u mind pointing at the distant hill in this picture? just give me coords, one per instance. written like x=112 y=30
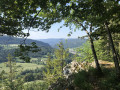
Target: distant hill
x=5 y=40
x=9 y=44
x=68 y=43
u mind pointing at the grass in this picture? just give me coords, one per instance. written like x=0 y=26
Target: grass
x=36 y=81
x=29 y=66
x=36 y=85
x=20 y=66
x=34 y=59
x=10 y=46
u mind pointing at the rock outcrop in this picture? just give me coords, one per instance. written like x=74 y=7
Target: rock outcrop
x=67 y=82
x=74 y=67
x=70 y=69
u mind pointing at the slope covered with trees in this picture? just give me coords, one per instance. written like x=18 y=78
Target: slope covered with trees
x=13 y=40
x=68 y=43
x=10 y=45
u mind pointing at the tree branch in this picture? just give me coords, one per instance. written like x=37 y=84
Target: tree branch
x=83 y=27
x=31 y=26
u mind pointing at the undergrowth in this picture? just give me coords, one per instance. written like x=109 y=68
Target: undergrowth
x=90 y=80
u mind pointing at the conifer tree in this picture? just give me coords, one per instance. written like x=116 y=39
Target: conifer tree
x=11 y=83
x=54 y=68
x=61 y=55
x=49 y=70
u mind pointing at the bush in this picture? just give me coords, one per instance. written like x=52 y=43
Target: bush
x=31 y=75
x=36 y=86
x=110 y=81
x=81 y=80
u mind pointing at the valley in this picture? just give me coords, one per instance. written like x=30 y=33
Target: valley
x=38 y=60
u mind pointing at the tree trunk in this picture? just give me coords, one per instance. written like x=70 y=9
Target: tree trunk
x=115 y=58
x=93 y=49
x=119 y=47
x=108 y=47
x=95 y=56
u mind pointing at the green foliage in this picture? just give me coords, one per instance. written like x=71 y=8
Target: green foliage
x=37 y=61
x=110 y=81
x=54 y=66
x=4 y=53
x=102 y=51
x=18 y=15
x=49 y=64
x=31 y=75
x=15 y=16
x=24 y=50
x=81 y=81
x=32 y=48
x=36 y=86
x=61 y=56
x=90 y=80
x=57 y=68
x=10 y=82
x=49 y=72
x=85 y=52
x=14 y=79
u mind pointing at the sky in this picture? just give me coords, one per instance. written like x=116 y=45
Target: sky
x=53 y=33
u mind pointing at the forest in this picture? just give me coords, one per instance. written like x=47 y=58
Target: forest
x=89 y=62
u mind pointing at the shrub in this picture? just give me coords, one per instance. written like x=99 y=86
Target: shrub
x=81 y=80
x=110 y=81
x=36 y=86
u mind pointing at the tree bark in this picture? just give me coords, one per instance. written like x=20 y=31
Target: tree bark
x=94 y=54
x=115 y=57
x=119 y=47
x=108 y=46
x=93 y=49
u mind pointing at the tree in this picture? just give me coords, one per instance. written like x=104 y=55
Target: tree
x=86 y=52
x=54 y=67
x=15 y=16
x=61 y=55
x=87 y=14
x=77 y=13
x=92 y=14
x=107 y=18
x=102 y=14
x=10 y=81
x=49 y=75
x=115 y=56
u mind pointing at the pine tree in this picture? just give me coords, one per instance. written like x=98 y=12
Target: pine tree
x=54 y=68
x=49 y=70
x=61 y=55
x=11 y=83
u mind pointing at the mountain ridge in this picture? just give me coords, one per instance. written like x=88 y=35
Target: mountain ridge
x=68 y=43
x=14 y=40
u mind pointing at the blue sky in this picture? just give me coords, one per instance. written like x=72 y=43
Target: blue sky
x=53 y=33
